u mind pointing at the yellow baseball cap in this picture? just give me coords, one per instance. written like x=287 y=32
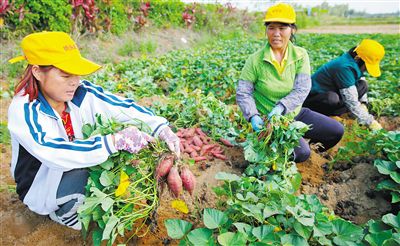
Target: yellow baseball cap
x=371 y=52
x=281 y=12
x=56 y=49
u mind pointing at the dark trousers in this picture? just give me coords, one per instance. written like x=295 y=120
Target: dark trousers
x=323 y=130
x=331 y=103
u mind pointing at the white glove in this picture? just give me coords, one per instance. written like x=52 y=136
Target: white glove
x=168 y=136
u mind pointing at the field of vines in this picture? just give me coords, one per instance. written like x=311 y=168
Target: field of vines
x=195 y=90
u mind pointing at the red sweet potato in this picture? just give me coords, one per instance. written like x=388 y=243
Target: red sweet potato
x=197 y=141
x=197 y=148
x=164 y=166
x=193 y=154
x=220 y=156
x=188 y=180
x=174 y=181
x=200 y=158
x=226 y=142
x=200 y=132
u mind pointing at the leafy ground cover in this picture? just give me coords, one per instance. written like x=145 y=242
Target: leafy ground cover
x=255 y=201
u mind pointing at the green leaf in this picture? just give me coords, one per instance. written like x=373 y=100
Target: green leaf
x=201 y=236
x=97 y=193
x=177 y=228
x=296 y=181
x=392 y=220
x=324 y=241
x=230 y=177
x=322 y=226
x=232 y=239
x=96 y=236
x=243 y=227
x=395 y=196
x=89 y=205
x=295 y=240
x=108 y=164
x=385 y=167
x=214 y=218
x=106 y=178
x=263 y=232
x=184 y=242
x=107 y=203
x=302 y=230
x=388 y=185
x=110 y=225
x=301 y=215
x=346 y=232
x=377 y=226
x=395 y=176
x=377 y=239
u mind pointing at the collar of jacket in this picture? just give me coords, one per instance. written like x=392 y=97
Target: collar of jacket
x=292 y=54
x=45 y=106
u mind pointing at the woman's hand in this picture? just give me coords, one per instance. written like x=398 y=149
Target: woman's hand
x=277 y=110
x=171 y=139
x=256 y=122
x=131 y=139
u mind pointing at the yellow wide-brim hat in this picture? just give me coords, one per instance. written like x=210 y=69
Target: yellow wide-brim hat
x=56 y=49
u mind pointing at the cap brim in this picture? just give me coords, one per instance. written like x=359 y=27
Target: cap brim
x=373 y=69
x=281 y=20
x=80 y=66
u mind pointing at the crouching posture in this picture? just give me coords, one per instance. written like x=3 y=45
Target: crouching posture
x=339 y=86
x=45 y=118
x=276 y=80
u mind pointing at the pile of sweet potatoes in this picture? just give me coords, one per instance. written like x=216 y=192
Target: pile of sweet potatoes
x=195 y=143
x=176 y=180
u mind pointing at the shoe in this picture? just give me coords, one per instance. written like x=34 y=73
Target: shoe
x=71 y=222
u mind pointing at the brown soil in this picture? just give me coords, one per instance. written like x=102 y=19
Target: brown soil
x=352 y=29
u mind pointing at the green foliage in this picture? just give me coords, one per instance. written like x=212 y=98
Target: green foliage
x=39 y=15
x=113 y=12
x=4 y=133
x=114 y=202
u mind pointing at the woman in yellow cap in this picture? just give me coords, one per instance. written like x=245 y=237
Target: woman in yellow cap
x=338 y=86
x=276 y=80
x=45 y=118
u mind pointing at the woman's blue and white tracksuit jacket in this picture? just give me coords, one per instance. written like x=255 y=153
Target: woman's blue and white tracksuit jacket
x=41 y=151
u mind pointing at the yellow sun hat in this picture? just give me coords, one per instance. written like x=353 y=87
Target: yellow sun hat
x=280 y=12
x=56 y=49
x=371 y=52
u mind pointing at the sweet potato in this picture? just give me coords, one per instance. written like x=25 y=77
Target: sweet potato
x=226 y=142
x=164 y=166
x=197 y=141
x=197 y=148
x=206 y=148
x=189 y=132
x=188 y=180
x=220 y=156
x=174 y=181
x=200 y=158
x=193 y=154
x=200 y=132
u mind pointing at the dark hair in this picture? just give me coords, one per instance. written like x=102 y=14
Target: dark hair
x=29 y=83
x=293 y=26
x=354 y=54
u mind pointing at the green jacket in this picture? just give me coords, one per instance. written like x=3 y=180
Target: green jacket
x=270 y=87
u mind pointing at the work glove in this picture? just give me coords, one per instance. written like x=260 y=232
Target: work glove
x=131 y=139
x=169 y=137
x=375 y=126
x=364 y=107
x=277 y=110
x=256 y=122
